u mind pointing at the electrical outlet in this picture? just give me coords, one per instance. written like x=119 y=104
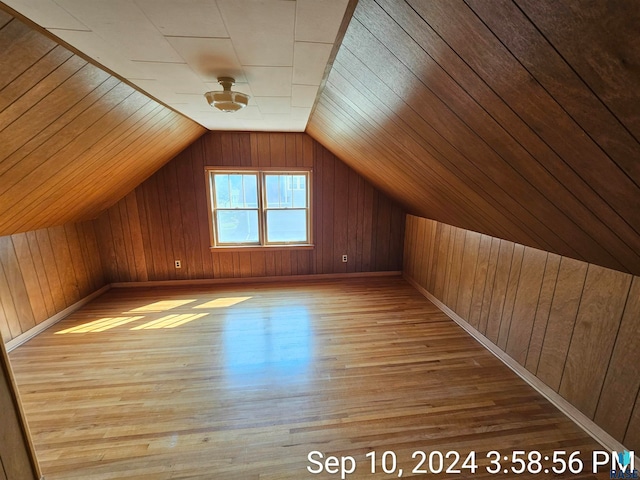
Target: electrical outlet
x=344 y=258
x=178 y=264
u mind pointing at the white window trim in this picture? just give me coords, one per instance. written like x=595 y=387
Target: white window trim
x=262 y=209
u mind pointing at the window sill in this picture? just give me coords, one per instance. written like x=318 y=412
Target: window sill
x=261 y=248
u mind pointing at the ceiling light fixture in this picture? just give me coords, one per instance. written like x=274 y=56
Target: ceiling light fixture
x=227 y=100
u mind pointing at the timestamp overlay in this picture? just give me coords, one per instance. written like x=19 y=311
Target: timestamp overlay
x=473 y=464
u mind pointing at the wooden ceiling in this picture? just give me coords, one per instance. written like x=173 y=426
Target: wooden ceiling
x=516 y=119
x=73 y=139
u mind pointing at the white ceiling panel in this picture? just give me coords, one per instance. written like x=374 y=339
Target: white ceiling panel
x=47 y=14
x=269 y=81
x=262 y=31
x=310 y=60
x=280 y=105
x=188 y=18
x=319 y=20
x=100 y=50
x=210 y=58
x=175 y=50
x=303 y=95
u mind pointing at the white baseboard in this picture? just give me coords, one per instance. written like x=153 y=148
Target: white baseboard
x=271 y=279
x=580 y=419
x=32 y=332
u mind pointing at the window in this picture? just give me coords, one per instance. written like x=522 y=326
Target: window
x=259 y=208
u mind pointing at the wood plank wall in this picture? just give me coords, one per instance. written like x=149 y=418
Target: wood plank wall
x=165 y=218
x=42 y=272
x=515 y=119
x=574 y=325
x=73 y=139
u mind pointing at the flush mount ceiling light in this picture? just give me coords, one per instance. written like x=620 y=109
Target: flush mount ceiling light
x=227 y=100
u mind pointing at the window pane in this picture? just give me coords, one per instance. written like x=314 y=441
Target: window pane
x=287 y=226
x=299 y=191
x=273 y=191
x=221 y=187
x=285 y=191
x=251 y=191
x=237 y=226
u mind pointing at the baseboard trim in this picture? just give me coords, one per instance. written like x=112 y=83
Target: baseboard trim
x=580 y=419
x=41 y=327
x=253 y=280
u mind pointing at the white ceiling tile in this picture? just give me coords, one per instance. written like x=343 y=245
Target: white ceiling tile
x=47 y=14
x=210 y=58
x=274 y=104
x=122 y=24
x=319 y=20
x=269 y=81
x=98 y=49
x=176 y=77
x=310 y=61
x=261 y=30
x=191 y=18
x=286 y=123
x=303 y=95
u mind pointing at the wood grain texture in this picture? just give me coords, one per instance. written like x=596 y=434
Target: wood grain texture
x=574 y=325
x=248 y=390
x=513 y=119
x=45 y=271
x=617 y=398
x=75 y=140
x=597 y=325
x=166 y=217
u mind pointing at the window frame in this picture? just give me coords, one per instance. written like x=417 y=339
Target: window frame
x=262 y=208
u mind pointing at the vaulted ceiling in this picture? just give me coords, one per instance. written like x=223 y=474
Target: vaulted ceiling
x=519 y=119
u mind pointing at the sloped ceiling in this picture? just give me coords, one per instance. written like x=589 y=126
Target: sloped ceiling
x=73 y=139
x=516 y=119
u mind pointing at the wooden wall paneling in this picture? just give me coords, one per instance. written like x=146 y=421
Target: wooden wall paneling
x=30 y=277
x=437 y=236
x=551 y=179
x=585 y=36
x=340 y=216
x=188 y=205
x=328 y=210
x=174 y=218
x=15 y=281
x=5 y=18
x=318 y=230
x=41 y=106
x=128 y=251
x=441 y=259
x=382 y=237
x=64 y=264
x=479 y=281
x=421 y=253
x=445 y=192
x=54 y=279
x=561 y=321
x=551 y=70
x=598 y=321
x=77 y=260
x=526 y=304
x=632 y=436
x=622 y=380
x=11 y=318
x=543 y=309
x=352 y=220
x=409 y=268
x=536 y=107
x=467 y=273
x=492 y=267
x=456 y=257
x=442 y=104
x=43 y=275
x=121 y=262
x=396 y=239
x=22 y=47
x=510 y=296
x=291 y=154
x=258 y=264
x=107 y=247
x=499 y=291
x=137 y=242
x=367 y=227
x=91 y=252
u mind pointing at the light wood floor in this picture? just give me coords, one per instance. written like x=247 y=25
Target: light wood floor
x=244 y=382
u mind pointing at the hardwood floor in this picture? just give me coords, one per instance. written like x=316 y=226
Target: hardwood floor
x=243 y=382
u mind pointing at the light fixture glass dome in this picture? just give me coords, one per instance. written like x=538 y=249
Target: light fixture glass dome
x=227 y=100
